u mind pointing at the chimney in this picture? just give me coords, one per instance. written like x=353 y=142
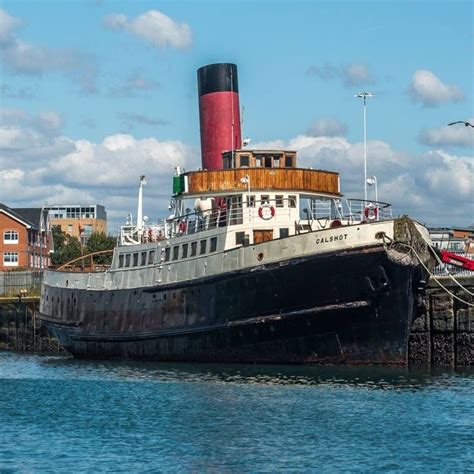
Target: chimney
x=219 y=113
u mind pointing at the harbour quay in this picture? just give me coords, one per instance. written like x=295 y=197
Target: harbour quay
x=442 y=335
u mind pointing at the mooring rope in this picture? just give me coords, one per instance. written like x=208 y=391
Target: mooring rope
x=432 y=275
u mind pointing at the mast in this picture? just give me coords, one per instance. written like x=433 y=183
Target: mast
x=140 y=204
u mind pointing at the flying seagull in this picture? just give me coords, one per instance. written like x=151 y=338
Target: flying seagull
x=467 y=124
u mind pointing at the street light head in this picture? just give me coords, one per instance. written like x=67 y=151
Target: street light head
x=364 y=95
x=371 y=181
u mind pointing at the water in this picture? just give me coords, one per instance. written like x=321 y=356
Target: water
x=63 y=415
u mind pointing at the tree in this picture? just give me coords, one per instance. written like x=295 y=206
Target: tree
x=66 y=247
x=98 y=242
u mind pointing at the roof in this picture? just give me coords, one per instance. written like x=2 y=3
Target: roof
x=31 y=214
x=15 y=214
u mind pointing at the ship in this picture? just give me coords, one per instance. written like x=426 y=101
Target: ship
x=260 y=261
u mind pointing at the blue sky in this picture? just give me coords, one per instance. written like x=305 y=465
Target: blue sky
x=95 y=93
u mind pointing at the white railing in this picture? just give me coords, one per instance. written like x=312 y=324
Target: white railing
x=361 y=210
x=195 y=222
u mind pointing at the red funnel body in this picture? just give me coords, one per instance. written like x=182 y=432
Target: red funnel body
x=219 y=112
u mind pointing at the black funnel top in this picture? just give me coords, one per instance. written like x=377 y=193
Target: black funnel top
x=217 y=78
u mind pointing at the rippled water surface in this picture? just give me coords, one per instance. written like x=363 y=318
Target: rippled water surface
x=63 y=415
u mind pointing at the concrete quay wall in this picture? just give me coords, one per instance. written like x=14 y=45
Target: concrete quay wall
x=21 y=328
x=443 y=334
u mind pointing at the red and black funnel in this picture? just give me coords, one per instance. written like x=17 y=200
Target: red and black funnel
x=219 y=112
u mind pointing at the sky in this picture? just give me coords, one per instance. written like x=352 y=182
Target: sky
x=95 y=93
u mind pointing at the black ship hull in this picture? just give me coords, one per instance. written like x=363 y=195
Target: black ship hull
x=352 y=307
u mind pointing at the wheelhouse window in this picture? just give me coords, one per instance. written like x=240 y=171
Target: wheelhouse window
x=288 y=161
x=202 y=250
x=292 y=201
x=143 y=262
x=193 y=249
x=151 y=257
x=127 y=260
x=135 y=259
x=121 y=261
x=10 y=259
x=268 y=162
x=279 y=200
x=184 y=252
x=167 y=254
x=244 y=160
x=265 y=199
x=10 y=237
x=175 y=252
x=250 y=200
x=213 y=244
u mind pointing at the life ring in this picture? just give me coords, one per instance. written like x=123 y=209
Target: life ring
x=371 y=212
x=266 y=212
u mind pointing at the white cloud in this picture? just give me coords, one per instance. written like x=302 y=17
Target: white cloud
x=134 y=84
x=7 y=25
x=434 y=187
x=327 y=128
x=354 y=74
x=38 y=167
x=21 y=57
x=455 y=135
x=154 y=27
x=428 y=89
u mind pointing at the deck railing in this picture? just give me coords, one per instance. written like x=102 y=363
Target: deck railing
x=362 y=210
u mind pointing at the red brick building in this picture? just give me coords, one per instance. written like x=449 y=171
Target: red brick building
x=25 y=238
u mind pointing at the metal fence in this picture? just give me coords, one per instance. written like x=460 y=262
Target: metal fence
x=442 y=270
x=12 y=282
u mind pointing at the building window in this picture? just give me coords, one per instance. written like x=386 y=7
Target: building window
x=291 y=201
x=202 y=250
x=268 y=162
x=244 y=160
x=135 y=259
x=143 y=262
x=279 y=200
x=184 y=253
x=120 y=261
x=10 y=259
x=284 y=232
x=288 y=161
x=213 y=246
x=250 y=200
x=193 y=248
x=167 y=254
x=239 y=238
x=10 y=237
x=265 y=199
x=151 y=257
x=127 y=260
x=175 y=252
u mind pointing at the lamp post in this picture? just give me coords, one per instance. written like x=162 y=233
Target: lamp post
x=246 y=180
x=365 y=96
